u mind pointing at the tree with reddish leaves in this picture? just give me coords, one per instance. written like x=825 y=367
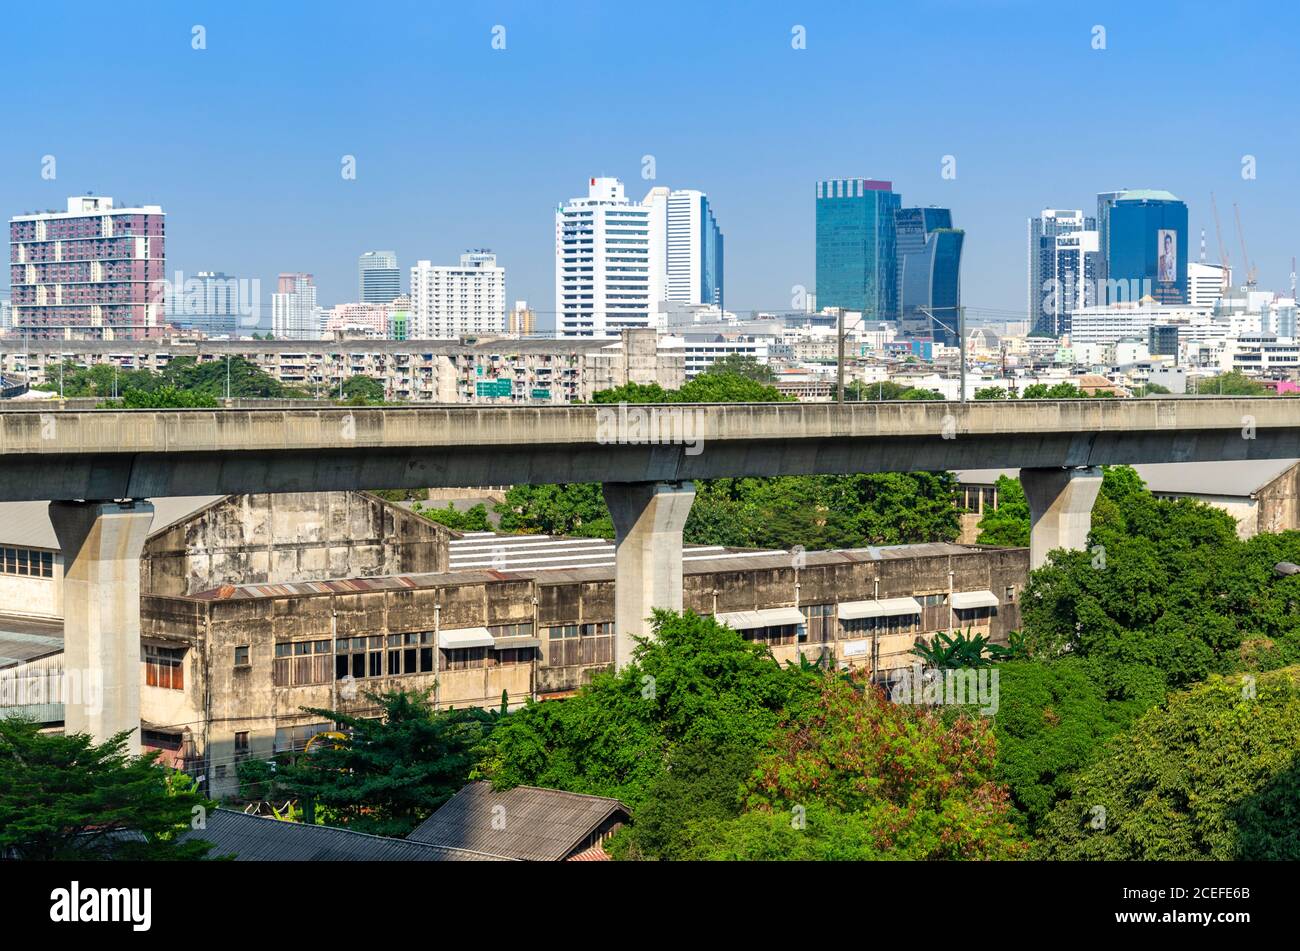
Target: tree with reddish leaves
x=856 y=776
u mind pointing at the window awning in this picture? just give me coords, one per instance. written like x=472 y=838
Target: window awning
x=465 y=637
x=773 y=617
x=964 y=600
x=885 y=607
x=523 y=640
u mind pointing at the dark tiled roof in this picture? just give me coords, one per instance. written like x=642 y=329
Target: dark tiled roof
x=537 y=825
x=258 y=839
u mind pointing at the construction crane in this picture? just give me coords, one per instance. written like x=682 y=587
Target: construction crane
x=1223 y=251
x=1245 y=258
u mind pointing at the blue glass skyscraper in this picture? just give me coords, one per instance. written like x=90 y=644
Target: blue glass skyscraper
x=1146 y=251
x=857 y=258
x=929 y=273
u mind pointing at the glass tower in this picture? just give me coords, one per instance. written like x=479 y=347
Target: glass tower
x=857 y=258
x=1146 y=252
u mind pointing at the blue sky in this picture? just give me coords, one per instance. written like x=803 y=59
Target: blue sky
x=458 y=145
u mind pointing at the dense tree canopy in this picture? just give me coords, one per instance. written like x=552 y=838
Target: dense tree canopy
x=391 y=772
x=66 y=797
x=713 y=745
x=204 y=382
x=1008 y=524
x=871 y=779
x=1212 y=774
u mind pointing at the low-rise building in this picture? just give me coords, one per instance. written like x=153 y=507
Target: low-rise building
x=255 y=609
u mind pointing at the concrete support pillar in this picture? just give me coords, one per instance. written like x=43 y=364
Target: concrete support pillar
x=648 y=522
x=1060 y=509
x=101 y=543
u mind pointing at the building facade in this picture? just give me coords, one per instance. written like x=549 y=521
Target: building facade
x=1064 y=262
x=466 y=299
x=214 y=304
x=378 y=279
x=857 y=262
x=1146 y=253
x=94 y=270
x=929 y=273
x=501 y=370
x=294 y=313
x=602 y=263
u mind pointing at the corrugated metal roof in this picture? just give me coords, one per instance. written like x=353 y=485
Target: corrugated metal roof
x=541 y=825
x=24 y=639
x=259 y=839
x=27 y=524
x=709 y=563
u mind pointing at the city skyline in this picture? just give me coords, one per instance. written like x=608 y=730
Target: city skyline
x=272 y=204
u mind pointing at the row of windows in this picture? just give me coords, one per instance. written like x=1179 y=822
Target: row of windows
x=26 y=561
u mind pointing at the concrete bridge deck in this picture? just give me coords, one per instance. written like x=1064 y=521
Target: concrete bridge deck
x=111 y=454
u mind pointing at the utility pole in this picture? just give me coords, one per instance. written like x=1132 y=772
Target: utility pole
x=960 y=332
x=839 y=372
x=227 y=378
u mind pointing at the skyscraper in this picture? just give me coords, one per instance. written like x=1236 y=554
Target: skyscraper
x=1146 y=251
x=94 y=269
x=1105 y=202
x=294 y=314
x=211 y=302
x=458 y=300
x=929 y=273
x=378 y=279
x=1063 y=258
x=694 y=258
x=857 y=264
x=602 y=263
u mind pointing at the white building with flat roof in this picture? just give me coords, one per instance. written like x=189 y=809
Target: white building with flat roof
x=457 y=301
x=603 y=263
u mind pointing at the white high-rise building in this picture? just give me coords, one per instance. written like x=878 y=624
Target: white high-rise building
x=1205 y=283
x=602 y=263
x=294 y=314
x=694 y=255
x=455 y=301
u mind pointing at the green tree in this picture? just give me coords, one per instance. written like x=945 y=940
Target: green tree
x=164 y=397
x=1053 y=718
x=473 y=519
x=574 y=508
x=363 y=391
x=871 y=779
x=66 y=797
x=740 y=364
x=697 y=685
x=392 y=772
x=1008 y=524
x=1233 y=383
x=1212 y=774
x=992 y=393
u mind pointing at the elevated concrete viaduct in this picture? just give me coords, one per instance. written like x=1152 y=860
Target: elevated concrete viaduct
x=646 y=457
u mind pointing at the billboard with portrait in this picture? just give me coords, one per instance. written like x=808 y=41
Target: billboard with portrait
x=1166 y=256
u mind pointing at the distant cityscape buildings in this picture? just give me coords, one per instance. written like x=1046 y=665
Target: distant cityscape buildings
x=294 y=314
x=619 y=262
x=211 y=302
x=378 y=279
x=452 y=301
x=95 y=269
x=856 y=253
x=1064 y=262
